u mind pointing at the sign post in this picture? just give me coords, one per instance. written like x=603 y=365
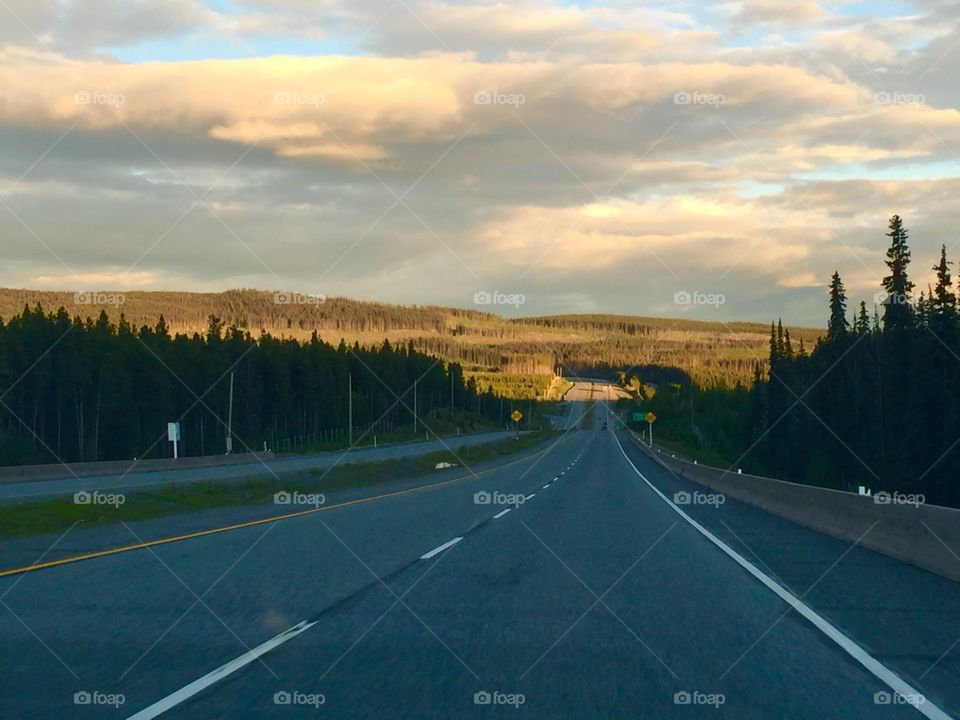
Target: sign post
x=650 y=418
x=173 y=435
x=516 y=416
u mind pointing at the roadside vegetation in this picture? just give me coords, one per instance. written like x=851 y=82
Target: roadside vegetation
x=59 y=514
x=91 y=389
x=875 y=402
x=531 y=349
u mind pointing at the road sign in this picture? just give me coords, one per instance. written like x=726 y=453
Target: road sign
x=650 y=417
x=516 y=416
x=173 y=435
x=639 y=417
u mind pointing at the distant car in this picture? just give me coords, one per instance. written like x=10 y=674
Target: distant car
x=603 y=427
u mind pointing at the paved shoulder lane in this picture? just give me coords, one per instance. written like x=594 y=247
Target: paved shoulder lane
x=905 y=618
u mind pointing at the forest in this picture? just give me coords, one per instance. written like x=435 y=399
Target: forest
x=714 y=354
x=876 y=402
x=90 y=389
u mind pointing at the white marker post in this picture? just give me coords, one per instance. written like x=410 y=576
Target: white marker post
x=173 y=435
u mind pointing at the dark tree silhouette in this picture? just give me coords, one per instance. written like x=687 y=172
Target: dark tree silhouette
x=838 y=325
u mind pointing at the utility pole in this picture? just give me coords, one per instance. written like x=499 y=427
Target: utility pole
x=350 y=409
x=230 y=418
x=415 y=423
x=451 y=388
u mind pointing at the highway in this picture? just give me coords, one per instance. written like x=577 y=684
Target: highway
x=560 y=584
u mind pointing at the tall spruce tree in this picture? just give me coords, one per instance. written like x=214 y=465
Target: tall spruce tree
x=838 y=325
x=897 y=311
x=943 y=303
x=863 y=320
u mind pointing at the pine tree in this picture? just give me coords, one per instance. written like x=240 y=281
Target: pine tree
x=863 y=320
x=838 y=325
x=897 y=312
x=943 y=303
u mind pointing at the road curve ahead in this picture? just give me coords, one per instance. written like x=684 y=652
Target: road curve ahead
x=562 y=585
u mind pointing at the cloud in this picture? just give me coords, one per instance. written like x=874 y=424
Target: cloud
x=407 y=153
x=777 y=11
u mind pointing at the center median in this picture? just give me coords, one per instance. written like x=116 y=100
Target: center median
x=262 y=496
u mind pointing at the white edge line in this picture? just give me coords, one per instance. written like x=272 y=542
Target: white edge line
x=502 y=513
x=188 y=691
x=878 y=669
x=439 y=549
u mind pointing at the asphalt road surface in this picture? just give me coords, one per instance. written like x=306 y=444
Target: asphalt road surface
x=565 y=584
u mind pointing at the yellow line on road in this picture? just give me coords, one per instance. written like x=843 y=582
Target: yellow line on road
x=249 y=523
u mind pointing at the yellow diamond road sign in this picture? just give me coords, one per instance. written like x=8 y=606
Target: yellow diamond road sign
x=516 y=415
x=651 y=417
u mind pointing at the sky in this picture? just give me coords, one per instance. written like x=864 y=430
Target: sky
x=712 y=160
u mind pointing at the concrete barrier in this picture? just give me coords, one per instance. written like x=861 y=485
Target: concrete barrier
x=924 y=535
x=58 y=471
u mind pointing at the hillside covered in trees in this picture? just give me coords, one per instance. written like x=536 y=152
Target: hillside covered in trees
x=492 y=347
x=76 y=390
x=876 y=402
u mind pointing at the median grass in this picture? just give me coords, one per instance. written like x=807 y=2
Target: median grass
x=60 y=514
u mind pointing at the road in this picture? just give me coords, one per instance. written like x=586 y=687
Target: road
x=39 y=489
x=592 y=597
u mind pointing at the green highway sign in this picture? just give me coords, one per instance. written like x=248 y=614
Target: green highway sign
x=639 y=417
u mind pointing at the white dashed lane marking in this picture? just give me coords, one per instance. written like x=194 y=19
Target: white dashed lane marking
x=502 y=513
x=439 y=549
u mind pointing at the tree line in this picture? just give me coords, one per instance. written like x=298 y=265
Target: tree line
x=875 y=403
x=712 y=353
x=75 y=389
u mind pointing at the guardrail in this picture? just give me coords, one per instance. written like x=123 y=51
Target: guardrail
x=60 y=471
x=902 y=527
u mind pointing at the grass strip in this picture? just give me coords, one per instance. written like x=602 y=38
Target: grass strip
x=58 y=514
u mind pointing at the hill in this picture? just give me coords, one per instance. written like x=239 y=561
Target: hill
x=489 y=346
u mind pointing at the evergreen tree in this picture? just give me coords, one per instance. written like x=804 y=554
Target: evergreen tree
x=863 y=320
x=922 y=310
x=897 y=312
x=943 y=302
x=837 y=326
